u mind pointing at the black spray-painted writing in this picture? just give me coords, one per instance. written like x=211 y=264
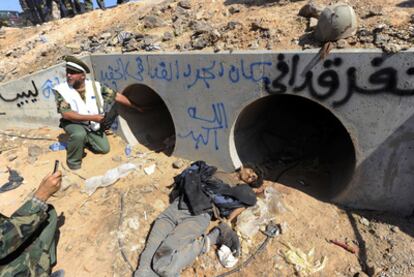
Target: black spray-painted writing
x=384 y=80
x=23 y=97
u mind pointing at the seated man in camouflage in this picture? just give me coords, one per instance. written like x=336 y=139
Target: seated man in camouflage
x=81 y=102
x=27 y=238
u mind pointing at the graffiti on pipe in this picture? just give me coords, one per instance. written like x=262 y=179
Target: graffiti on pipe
x=48 y=85
x=24 y=97
x=193 y=75
x=383 y=81
x=207 y=128
x=323 y=83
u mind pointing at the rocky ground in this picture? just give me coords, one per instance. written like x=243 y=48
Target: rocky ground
x=94 y=229
x=195 y=25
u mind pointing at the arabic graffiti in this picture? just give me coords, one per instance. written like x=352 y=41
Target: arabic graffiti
x=23 y=97
x=207 y=127
x=47 y=87
x=192 y=75
x=384 y=80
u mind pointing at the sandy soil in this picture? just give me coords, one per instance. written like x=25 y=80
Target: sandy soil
x=91 y=229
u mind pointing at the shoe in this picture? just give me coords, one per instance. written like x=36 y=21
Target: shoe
x=229 y=238
x=59 y=273
x=73 y=166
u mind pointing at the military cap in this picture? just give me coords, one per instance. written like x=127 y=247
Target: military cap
x=76 y=65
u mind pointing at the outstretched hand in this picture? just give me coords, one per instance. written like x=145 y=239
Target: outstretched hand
x=48 y=186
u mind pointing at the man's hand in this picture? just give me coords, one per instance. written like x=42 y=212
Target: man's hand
x=97 y=118
x=48 y=186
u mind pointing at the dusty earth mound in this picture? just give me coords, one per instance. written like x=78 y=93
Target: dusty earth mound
x=188 y=25
x=95 y=229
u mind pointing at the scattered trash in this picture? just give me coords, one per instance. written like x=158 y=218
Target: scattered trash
x=273 y=201
x=43 y=38
x=58 y=146
x=226 y=258
x=110 y=177
x=128 y=150
x=343 y=245
x=15 y=180
x=250 y=220
x=304 y=263
x=149 y=169
x=133 y=223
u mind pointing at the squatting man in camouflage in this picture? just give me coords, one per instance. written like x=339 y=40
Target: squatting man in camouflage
x=81 y=102
x=27 y=238
x=178 y=235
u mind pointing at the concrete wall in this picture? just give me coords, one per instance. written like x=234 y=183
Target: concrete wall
x=371 y=94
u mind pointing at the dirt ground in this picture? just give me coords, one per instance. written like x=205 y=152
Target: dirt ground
x=94 y=229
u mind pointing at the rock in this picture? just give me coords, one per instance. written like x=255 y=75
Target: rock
x=233 y=10
x=34 y=151
x=150 y=169
x=393 y=260
x=117 y=158
x=167 y=36
x=364 y=221
x=11 y=158
x=310 y=10
x=342 y=43
x=373 y=11
x=75 y=48
x=185 y=4
x=151 y=21
x=199 y=43
x=259 y=26
x=200 y=26
x=178 y=164
x=254 y=45
x=395 y=229
x=180 y=13
x=105 y=36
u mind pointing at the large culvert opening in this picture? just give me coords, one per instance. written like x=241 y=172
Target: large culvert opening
x=297 y=142
x=154 y=127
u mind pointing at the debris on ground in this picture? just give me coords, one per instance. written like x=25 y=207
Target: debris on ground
x=304 y=263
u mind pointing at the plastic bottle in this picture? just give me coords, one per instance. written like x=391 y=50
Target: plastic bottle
x=128 y=150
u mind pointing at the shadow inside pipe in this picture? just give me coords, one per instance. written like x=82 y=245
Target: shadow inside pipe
x=154 y=127
x=298 y=142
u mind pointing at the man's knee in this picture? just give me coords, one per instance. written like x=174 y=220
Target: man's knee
x=105 y=148
x=78 y=135
x=162 y=261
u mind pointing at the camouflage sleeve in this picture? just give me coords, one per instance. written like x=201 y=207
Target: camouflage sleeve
x=20 y=226
x=108 y=95
x=61 y=104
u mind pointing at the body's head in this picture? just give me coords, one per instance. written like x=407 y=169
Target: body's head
x=76 y=71
x=253 y=176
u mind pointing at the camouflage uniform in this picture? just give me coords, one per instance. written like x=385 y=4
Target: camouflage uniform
x=79 y=135
x=27 y=241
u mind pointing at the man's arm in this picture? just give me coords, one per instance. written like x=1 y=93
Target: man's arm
x=235 y=213
x=74 y=116
x=123 y=100
x=27 y=219
x=14 y=231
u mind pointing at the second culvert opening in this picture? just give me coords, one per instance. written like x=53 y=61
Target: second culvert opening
x=298 y=142
x=153 y=128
